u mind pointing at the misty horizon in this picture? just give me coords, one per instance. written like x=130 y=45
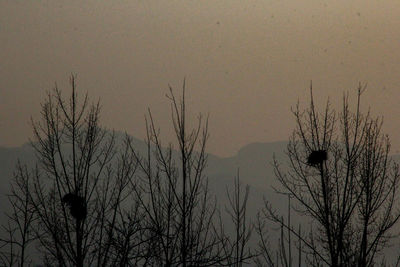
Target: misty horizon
x=245 y=63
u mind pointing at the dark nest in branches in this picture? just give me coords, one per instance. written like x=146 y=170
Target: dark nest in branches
x=316 y=157
x=77 y=205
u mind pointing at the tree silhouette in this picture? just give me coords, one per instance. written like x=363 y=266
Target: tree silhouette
x=79 y=184
x=174 y=194
x=93 y=200
x=237 y=250
x=19 y=228
x=342 y=178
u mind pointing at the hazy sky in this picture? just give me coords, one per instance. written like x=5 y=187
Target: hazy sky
x=246 y=62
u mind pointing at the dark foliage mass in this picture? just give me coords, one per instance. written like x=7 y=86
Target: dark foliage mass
x=93 y=200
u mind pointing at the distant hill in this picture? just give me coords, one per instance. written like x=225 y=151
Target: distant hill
x=253 y=162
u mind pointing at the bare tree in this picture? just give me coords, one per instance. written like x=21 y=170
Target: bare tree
x=342 y=178
x=19 y=232
x=80 y=183
x=175 y=196
x=282 y=253
x=237 y=248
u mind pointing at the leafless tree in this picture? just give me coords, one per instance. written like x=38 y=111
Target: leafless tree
x=18 y=230
x=80 y=185
x=237 y=248
x=175 y=196
x=281 y=254
x=341 y=176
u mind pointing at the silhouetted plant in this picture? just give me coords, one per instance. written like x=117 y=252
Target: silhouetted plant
x=236 y=247
x=282 y=252
x=342 y=178
x=175 y=194
x=80 y=183
x=18 y=231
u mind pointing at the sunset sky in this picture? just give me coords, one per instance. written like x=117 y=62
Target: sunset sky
x=246 y=62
